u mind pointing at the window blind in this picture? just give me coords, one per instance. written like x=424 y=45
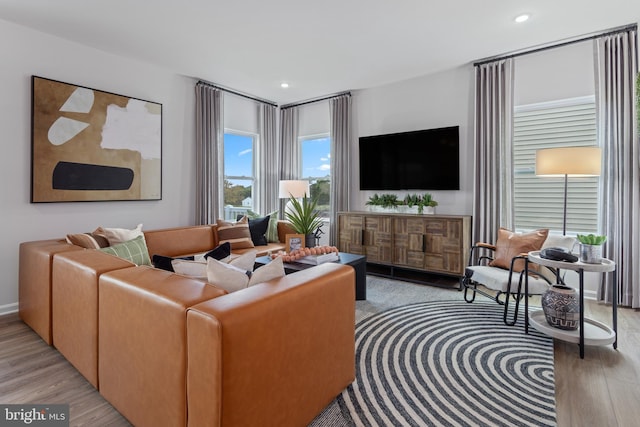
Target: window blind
x=539 y=200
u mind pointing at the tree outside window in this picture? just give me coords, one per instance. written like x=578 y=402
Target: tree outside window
x=316 y=167
x=238 y=173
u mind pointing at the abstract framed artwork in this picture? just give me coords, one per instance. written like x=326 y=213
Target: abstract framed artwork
x=90 y=145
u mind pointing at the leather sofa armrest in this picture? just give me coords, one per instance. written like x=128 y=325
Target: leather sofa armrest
x=34 y=283
x=278 y=351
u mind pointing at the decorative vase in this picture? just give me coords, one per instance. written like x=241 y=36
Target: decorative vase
x=310 y=240
x=429 y=210
x=561 y=307
x=590 y=254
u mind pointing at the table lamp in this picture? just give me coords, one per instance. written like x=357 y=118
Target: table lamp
x=296 y=189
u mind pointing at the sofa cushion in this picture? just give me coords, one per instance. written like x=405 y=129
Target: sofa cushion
x=512 y=244
x=236 y=233
x=134 y=250
x=232 y=278
x=119 y=235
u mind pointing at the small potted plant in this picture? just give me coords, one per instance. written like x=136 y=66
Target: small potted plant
x=427 y=202
x=591 y=248
x=304 y=218
x=383 y=203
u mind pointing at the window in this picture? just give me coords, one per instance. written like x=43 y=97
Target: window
x=238 y=173
x=539 y=200
x=316 y=167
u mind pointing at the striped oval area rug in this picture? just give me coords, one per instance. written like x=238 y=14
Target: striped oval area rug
x=449 y=363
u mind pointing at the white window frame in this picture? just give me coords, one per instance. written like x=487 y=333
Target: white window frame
x=252 y=178
x=312 y=179
x=538 y=201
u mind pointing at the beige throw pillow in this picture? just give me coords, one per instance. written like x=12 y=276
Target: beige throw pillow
x=119 y=235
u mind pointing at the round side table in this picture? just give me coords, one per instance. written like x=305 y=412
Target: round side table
x=589 y=331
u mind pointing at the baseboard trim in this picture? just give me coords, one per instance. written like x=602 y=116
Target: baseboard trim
x=590 y=295
x=8 y=308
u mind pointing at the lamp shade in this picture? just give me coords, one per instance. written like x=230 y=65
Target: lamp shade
x=574 y=161
x=293 y=188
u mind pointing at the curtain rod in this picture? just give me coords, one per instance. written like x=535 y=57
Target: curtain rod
x=623 y=29
x=253 y=98
x=310 y=101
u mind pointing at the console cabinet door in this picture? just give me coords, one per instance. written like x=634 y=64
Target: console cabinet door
x=432 y=244
x=366 y=235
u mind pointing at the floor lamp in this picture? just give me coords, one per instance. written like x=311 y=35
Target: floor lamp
x=296 y=189
x=568 y=161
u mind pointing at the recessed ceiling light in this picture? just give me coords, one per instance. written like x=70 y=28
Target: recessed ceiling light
x=522 y=18
x=284 y=85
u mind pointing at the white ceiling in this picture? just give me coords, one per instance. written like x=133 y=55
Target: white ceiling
x=319 y=47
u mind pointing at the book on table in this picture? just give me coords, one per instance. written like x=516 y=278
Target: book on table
x=319 y=259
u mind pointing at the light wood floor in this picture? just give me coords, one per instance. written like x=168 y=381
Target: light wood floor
x=601 y=390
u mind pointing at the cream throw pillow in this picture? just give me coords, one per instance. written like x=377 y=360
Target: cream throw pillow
x=231 y=277
x=198 y=268
x=119 y=235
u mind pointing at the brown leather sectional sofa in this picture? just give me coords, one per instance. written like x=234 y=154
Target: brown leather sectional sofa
x=169 y=350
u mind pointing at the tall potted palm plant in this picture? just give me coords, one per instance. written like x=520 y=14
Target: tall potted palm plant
x=304 y=218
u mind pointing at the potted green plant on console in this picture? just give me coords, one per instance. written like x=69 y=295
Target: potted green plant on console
x=591 y=248
x=422 y=202
x=304 y=218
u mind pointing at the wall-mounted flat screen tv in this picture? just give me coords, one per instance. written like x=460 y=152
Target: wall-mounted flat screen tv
x=419 y=160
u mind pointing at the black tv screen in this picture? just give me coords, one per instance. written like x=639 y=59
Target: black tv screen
x=419 y=160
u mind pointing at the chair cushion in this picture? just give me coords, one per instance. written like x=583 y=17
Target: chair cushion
x=497 y=280
x=512 y=244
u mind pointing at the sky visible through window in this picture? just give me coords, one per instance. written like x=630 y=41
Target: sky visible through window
x=316 y=157
x=238 y=157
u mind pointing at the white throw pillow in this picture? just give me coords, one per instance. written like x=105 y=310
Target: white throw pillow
x=195 y=269
x=198 y=267
x=233 y=278
x=119 y=235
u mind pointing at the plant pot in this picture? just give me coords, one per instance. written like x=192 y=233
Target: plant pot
x=429 y=210
x=590 y=254
x=561 y=307
x=309 y=241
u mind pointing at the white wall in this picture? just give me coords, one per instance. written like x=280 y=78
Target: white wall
x=439 y=100
x=25 y=53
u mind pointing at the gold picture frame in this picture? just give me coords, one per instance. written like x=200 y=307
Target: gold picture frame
x=294 y=241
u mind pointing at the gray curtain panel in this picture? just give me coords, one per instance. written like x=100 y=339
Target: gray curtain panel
x=290 y=160
x=209 y=138
x=493 y=174
x=616 y=67
x=341 y=124
x=268 y=161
